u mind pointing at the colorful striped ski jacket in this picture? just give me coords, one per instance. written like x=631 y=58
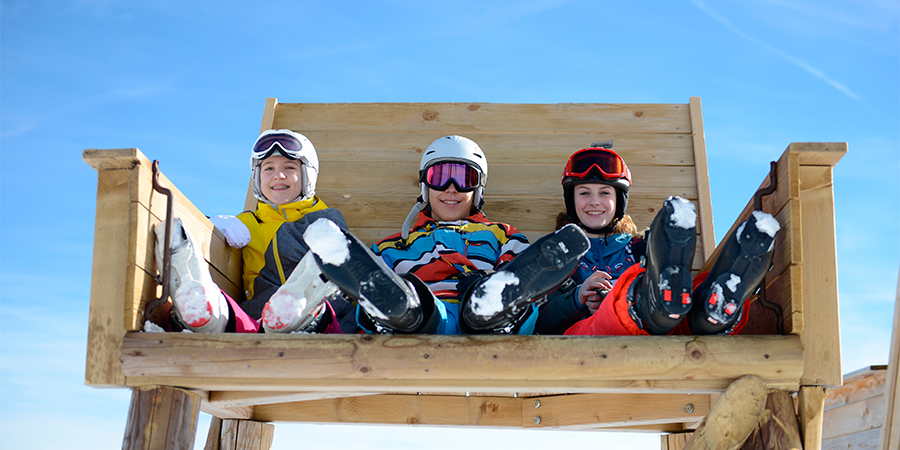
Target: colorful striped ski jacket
x=438 y=252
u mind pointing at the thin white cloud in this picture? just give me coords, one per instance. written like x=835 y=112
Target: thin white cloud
x=789 y=58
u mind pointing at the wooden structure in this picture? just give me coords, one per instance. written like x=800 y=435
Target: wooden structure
x=369 y=157
x=855 y=412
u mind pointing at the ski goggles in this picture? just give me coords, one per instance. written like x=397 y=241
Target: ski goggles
x=607 y=162
x=265 y=147
x=440 y=175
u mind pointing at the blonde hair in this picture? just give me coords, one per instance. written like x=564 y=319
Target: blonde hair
x=624 y=225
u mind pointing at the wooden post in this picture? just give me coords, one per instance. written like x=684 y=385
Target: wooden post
x=890 y=431
x=229 y=434
x=161 y=417
x=778 y=428
x=812 y=409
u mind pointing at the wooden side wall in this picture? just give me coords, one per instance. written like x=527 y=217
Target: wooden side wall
x=124 y=267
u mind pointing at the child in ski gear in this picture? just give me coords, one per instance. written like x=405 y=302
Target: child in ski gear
x=655 y=295
x=455 y=271
x=284 y=292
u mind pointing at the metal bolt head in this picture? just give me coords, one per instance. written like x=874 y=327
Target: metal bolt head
x=537 y=420
x=689 y=408
x=537 y=403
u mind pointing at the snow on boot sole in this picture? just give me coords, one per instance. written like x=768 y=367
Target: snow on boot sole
x=674 y=284
x=731 y=288
x=300 y=301
x=196 y=300
x=384 y=295
x=535 y=272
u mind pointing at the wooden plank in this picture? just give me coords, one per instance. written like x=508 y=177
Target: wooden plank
x=778 y=427
x=108 y=281
x=400 y=410
x=237 y=399
x=461 y=118
x=819 y=153
x=890 y=432
x=811 y=412
x=821 y=334
x=161 y=418
x=704 y=211
x=864 y=440
x=368 y=363
x=613 y=410
x=375 y=212
x=674 y=441
x=535 y=180
x=547 y=147
x=109 y=159
x=215 y=431
x=861 y=387
x=863 y=415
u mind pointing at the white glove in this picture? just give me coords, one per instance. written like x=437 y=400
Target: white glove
x=236 y=233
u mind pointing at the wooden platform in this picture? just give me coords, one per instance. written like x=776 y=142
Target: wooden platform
x=610 y=383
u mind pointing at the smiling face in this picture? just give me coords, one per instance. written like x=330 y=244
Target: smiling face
x=595 y=204
x=449 y=205
x=280 y=179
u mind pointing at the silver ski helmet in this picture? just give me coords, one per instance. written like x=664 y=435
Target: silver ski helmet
x=291 y=145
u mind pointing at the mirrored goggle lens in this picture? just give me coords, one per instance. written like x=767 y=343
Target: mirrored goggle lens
x=265 y=146
x=440 y=175
x=607 y=162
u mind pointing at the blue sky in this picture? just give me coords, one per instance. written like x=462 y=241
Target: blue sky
x=186 y=82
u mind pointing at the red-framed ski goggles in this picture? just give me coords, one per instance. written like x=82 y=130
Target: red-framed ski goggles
x=290 y=146
x=440 y=175
x=607 y=162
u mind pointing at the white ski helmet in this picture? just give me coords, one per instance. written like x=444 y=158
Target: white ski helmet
x=291 y=145
x=456 y=149
x=450 y=149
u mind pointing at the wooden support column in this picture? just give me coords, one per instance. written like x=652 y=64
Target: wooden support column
x=778 y=428
x=890 y=431
x=812 y=409
x=229 y=434
x=161 y=418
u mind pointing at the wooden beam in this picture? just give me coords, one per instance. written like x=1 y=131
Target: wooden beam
x=733 y=417
x=109 y=288
x=821 y=334
x=811 y=406
x=243 y=399
x=890 y=431
x=461 y=118
x=369 y=363
x=400 y=410
x=701 y=169
x=612 y=410
x=161 y=418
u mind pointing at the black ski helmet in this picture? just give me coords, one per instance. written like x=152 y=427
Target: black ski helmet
x=596 y=164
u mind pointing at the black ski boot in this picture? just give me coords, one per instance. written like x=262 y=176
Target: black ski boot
x=387 y=298
x=661 y=295
x=735 y=276
x=496 y=303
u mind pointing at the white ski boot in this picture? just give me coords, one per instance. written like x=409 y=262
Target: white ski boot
x=196 y=300
x=299 y=303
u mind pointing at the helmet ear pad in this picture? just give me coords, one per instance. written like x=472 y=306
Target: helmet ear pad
x=621 y=197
